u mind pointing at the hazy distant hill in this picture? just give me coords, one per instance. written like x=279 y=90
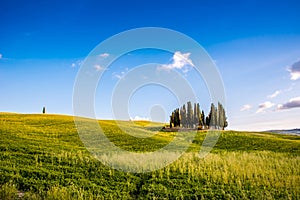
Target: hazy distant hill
x=289 y=131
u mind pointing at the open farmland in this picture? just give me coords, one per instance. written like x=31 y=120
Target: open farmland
x=42 y=157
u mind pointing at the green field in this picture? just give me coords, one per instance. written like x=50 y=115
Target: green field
x=42 y=157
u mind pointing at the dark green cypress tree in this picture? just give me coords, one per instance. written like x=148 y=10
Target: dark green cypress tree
x=203 y=120
x=207 y=121
x=172 y=120
x=222 y=117
x=198 y=120
x=176 y=118
x=195 y=116
x=190 y=114
x=183 y=116
x=213 y=116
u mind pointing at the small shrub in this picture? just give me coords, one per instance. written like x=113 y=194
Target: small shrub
x=8 y=192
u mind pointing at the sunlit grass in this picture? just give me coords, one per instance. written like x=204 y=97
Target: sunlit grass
x=42 y=157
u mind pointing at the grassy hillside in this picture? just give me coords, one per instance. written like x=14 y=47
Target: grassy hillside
x=42 y=157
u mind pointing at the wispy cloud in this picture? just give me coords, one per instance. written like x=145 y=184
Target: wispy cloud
x=0 y=56
x=121 y=74
x=98 y=68
x=275 y=94
x=295 y=70
x=179 y=61
x=77 y=63
x=104 y=55
x=263 y=106
x=246 y=107
x=138 y=118
x=292 y=103
x=290 y=88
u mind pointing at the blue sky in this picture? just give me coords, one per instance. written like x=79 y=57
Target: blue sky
x=255 y=45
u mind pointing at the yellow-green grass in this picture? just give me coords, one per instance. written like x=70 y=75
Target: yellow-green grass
x=42 y=157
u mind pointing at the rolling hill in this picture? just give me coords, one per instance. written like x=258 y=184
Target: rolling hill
x=42 y=157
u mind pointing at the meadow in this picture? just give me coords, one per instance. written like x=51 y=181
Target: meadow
x=42 y=157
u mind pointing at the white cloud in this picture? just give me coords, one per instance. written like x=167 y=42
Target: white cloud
x=98 y=68
x=138 y=118
x=295 y=75
x=73 y=65
x=1 y=56
x=179 y=61
x=294 y=71
x=263 y=106
x=246 y=107
x=292 y=103
x=275 y=94
x=104 y=55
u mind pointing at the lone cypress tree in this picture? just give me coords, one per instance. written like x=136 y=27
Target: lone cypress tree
x=44 y=110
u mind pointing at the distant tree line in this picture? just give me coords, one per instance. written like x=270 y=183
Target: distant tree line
x=191 y=116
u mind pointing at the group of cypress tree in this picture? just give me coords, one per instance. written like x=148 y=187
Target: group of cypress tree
x=189 y=116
